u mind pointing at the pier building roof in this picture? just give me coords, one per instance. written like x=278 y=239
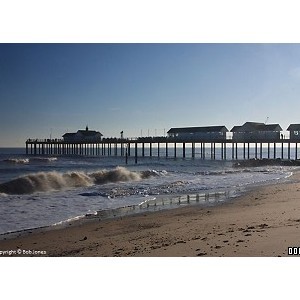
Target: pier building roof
x=89 y=132
x=255 y=126
x=198 y=129
x=69 y=135
x=83 y=135
x=86 y=133
x=294 y=127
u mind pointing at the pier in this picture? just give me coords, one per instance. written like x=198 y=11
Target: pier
x=168 y=147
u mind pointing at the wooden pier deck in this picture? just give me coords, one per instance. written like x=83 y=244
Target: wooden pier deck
x=168 y=147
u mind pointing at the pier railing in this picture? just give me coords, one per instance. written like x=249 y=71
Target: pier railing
x=168 y=147
x=44 y=140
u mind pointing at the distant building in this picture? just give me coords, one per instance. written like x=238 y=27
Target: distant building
x=83 y=136
x=208 y=133
x=294 y=130
x=253 y=131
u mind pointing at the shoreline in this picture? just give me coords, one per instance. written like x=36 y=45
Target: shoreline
x=257 y=223
x=176 y=201
x=204 y=199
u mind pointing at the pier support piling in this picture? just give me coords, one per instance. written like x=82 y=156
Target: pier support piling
x=136 y=153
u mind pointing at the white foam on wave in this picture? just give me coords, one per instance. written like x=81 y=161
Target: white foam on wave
x=43 y=182
x=288 y=175
x=51 y=181
x=69 y=220
x=29 y=160
x=43 y=159
x=17 y=160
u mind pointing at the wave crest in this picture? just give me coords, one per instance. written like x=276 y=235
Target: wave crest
x=118 y=174
x=17 y=160
x=51 y=181
x=43 y=159
x=30 y=160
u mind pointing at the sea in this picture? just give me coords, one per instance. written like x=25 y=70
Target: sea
x=42 y=191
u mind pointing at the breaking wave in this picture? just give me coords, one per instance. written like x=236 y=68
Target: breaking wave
x=17 y=160
x=27 y=160
x=43 y=159
x=51 y=181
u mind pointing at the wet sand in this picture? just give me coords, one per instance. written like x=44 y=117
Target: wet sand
x=263 y=222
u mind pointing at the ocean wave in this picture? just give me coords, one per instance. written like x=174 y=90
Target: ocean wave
x=52 y=181
x=43 y=159
x=30 y=160
x=140 y=190
x=17 y=160
x=237 y=171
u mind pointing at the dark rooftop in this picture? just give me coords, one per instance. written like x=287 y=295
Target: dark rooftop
x=89 y=132
x=85 y=132
x=294 y=127
x=254 y=126
x=198 y=129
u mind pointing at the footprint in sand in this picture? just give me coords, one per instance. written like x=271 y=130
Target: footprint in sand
x=200 y=253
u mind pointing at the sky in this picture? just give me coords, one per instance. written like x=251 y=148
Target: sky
x=140 y=89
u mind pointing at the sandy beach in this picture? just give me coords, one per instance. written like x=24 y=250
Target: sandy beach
x=263 y=222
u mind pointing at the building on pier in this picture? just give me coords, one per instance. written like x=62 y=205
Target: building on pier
x=253 y=131
x=83 y=136
x=294 y=130
x=207 y=133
